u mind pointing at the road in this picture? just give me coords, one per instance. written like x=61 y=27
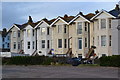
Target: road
x=58 y=72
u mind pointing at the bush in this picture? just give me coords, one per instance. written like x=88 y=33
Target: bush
x=28 y=60
x=113 y=61
x=33 y=60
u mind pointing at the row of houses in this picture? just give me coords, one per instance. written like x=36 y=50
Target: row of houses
x=68 y=35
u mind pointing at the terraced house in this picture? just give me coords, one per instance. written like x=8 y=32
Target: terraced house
x=44 y=37
x=68 y=35
x=101 y=31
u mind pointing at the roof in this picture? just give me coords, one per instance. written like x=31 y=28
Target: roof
x=46 y=21
x=65 y=19
x=102 y=12
x=114 y=12
x=86 y=17
x=89 y=16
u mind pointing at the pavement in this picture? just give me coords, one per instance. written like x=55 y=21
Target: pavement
x=37 y=71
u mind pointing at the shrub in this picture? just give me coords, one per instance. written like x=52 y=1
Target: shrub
x=28 y=60
x=113 y=61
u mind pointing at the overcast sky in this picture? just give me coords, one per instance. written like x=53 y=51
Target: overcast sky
x=18 y=12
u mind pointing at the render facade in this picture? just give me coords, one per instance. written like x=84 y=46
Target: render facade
x=68 y=35
x=44 y=37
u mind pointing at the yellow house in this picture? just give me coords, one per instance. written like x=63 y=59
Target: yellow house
x=79 y=31
x=60 y=35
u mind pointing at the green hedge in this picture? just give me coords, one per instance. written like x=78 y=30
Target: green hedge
x=28 y=60
x=112 y=61
x=33 y=60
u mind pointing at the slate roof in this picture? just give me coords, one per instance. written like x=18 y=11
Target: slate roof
x=89 y=16
x=67 y=18
x=114 y=12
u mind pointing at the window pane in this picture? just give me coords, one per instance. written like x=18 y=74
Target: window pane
x=28 y=45
x=33 y=44
x=43 y=43
x=48 y=44
x=18 y=33
x=103 y=40
x=65 y=43
x=14 y=34
x=110 y=40
x=59 y=43
x=18 y=45
x=14 y=45
x=48 y=30
x=59 y=28
x=79 y=28
x=109 y=23
x=65 y=28
x=103 y=23
x=80 y=43
x=42 y=31
x=33 y=32
x=28 y=32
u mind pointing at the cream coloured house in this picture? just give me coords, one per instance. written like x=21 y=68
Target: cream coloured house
x=60 y=35
x=15 y=39
x=44 y=37
x=101 y=31
x=79 y=30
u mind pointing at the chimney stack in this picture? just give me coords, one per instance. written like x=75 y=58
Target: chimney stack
x=30 y=19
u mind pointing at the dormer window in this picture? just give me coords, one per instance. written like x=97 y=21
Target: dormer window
x=103 y=23
x=42 y=31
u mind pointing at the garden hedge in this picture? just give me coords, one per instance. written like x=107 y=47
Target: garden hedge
x=112 y=61
x=33 y=60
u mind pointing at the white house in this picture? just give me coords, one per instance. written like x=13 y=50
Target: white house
x=29 y=37
x=44 y=37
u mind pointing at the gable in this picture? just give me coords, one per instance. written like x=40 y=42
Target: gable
x=28 y=27
x=43 y=24
x=59 y=22
x=79 y=19
x=103 y=15
x=14 y=28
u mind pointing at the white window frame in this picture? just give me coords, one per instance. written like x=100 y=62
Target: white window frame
x=79 y=27
x=59 y=28
x=28 y=32
x=43 y=31
x=59 y=43
x=28 y=45
x=43 y=43
x=80 y=39
x=14 y=34
x=103 y=41
x=103 y=23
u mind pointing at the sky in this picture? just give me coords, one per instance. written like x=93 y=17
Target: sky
x=18 y=12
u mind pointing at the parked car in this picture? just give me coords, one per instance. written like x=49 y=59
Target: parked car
x=74 y=61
